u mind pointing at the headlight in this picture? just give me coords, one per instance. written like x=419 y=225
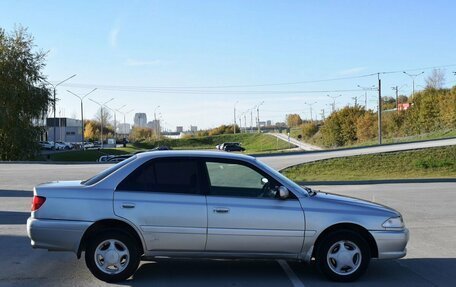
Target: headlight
x=394 y=222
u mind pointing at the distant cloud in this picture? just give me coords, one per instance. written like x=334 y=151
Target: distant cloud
x=138 y=63
x=113 y=35
x=352 y=71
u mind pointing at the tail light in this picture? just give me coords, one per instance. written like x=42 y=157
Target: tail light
x=37 y=202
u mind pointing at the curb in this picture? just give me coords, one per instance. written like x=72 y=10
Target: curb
x=378 y=181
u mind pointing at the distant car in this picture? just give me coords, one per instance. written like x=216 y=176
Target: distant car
x=222 y=145
x=233 y=147
x=64 y=145
x=88 y=145
x=119 y=158
x=46 y=145
x=162 y=148
x=211 y=205
x=104 y=158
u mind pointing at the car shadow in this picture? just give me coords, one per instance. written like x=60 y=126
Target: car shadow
x=13 y=217
x=404 y=272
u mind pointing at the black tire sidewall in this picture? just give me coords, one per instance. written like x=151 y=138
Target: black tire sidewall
x=126 y=239
x=328 y=241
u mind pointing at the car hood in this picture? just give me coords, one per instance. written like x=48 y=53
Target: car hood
x=356 y=203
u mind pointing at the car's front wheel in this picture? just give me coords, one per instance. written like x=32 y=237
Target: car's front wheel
x=343 y=256
x=112 y=256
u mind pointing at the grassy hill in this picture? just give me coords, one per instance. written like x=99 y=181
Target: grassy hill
x=437 y=162
x=253 y=143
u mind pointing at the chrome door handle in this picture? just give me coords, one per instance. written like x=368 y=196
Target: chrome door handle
x=128 y=205
x=221 y=210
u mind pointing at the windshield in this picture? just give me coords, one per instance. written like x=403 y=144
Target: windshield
x=108 y=171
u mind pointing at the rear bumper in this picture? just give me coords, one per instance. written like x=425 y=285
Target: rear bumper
x=56 y=235
x=391 y=244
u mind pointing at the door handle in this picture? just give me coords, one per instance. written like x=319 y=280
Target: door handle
x=221 y=210
x=128 y=205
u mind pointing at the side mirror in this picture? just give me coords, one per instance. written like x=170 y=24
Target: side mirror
x=283 y=192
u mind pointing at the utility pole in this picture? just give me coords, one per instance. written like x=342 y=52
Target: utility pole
x=81 y=98
x=310 y=106
x=413 y=76
x=251 y=119
x=55 y=101
x=379 y=109
x=356 y=100
x=334 y=102
x=322 y=114
x=245 y=121
x=365 y=89
x=234 y=126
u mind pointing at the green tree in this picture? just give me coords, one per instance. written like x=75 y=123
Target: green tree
x=23 y=95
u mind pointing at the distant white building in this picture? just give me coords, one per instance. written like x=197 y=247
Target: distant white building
x=140 y=120
x=154 y=125
x=193 y=129
x=179 y=129
x=123 y=129
x=66 y=129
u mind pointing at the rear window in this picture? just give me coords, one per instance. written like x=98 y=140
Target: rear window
x=108 y=171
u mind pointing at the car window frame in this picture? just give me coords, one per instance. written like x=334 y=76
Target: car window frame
x=199 y=182
x=207 y=182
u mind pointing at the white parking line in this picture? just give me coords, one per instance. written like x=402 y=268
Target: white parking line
x=291 y=275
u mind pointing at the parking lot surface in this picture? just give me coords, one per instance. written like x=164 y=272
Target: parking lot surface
x=429 y=210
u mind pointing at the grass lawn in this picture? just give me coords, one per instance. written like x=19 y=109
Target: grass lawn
x=253 y=143
x=437 y=162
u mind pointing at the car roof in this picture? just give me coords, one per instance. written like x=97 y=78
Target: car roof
x=195 y=153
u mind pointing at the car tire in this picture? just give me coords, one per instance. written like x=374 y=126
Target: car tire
x=343 y=256
x=112 y=255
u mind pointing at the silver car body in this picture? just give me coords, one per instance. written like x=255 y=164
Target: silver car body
x=187 y=225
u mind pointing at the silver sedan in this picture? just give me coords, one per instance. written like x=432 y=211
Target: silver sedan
x=209 y=205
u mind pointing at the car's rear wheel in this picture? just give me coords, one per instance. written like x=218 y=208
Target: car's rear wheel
x=343 y=256
x=112 y=256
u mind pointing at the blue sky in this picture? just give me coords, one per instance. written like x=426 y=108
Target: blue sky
x=138 y=45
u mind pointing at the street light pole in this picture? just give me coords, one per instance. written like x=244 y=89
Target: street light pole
x=156 y=131
x=54 y=106
x=365 y=89
x=234 y=126
x=413 y=76
x=101 y=116
x=310 y=106
x=81 y=98
x=258 y=115
x=379 y=109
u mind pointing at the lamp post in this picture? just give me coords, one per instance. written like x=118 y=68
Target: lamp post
x=413 y=76
x=365 y=89
x=101 y=116
x=115 y=119
x=81 y=98
x=310 y=106
x=54 y=92
x=156 y=126
x=234 y=126
x=258 y=115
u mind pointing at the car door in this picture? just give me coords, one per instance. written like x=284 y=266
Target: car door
x=245 y=213
x=163 y=199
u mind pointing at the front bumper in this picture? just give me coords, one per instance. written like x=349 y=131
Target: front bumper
x=56 y=235
x=391 y=244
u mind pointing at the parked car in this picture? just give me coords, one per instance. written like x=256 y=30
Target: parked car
x=88 y=145
x=233 y=147
x=64 y=145
x=213 y=205
x=118 y=158
x=46 y=145
x=222 y=145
